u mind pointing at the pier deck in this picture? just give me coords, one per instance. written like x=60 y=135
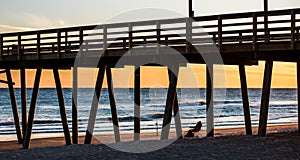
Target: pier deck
x=242 y=38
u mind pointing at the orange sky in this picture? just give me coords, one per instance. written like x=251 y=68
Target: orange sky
x=284 y=76
x=15 y=17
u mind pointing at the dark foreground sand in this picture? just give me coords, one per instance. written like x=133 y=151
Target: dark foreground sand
x=284 y=145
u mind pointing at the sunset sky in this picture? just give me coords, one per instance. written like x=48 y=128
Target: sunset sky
x=20 y=15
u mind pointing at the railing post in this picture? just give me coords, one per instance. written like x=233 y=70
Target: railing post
x=1 y=47
x=38 y=45
x=145 y=42
x=67 y=45
x=188 y=35
x=53 y=49
x=214 y=38
x=297 y=34
x=158 y=36
x=254 y=38
x=19 y=46
x=130 y=36
x=66 y=38
x=293 y=21
x=191 y=12
x=86 y=46
x=124 y=43
x=58 y=43
x=166 y=41
x=266 y=28
x=80 y=38
x=220 y=33
x=104 y=38
x=240 y=37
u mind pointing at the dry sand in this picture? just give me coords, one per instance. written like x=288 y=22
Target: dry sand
x=281 y=145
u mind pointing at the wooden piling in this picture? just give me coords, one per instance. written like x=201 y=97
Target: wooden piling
x=1 y=47
x=169 y=103
x=14 y=106
x=23 y=100
x=74 y=106
x=245 y=98
x=209 y=101
x=34 y=96
x=137 y=104
x=298 y=86
x=62 y=107
x=113 y=108
x=177 y=116
x=94 y=107
x=263 y=118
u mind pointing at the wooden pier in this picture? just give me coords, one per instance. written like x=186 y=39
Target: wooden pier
x=241 y=39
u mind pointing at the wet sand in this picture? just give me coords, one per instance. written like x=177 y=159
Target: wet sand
x=282 y=142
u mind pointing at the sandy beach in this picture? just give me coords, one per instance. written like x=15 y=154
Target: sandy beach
x=282 y=142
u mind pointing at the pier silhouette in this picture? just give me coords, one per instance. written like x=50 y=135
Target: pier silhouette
x=240 y=39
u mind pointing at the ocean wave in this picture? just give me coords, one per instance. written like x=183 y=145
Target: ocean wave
x=275 y=104
x=7 y=123
x=283 y=103
x=194 y=103
x=142 y=118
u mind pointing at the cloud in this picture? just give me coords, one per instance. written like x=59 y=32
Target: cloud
x=40 y=21
x=8 y=28
x=61 y=22
x=29 y=21
x=37 y=21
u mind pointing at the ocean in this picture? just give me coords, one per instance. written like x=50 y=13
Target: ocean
x=228 y=109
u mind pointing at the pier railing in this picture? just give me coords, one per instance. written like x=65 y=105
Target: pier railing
x=249 y=30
